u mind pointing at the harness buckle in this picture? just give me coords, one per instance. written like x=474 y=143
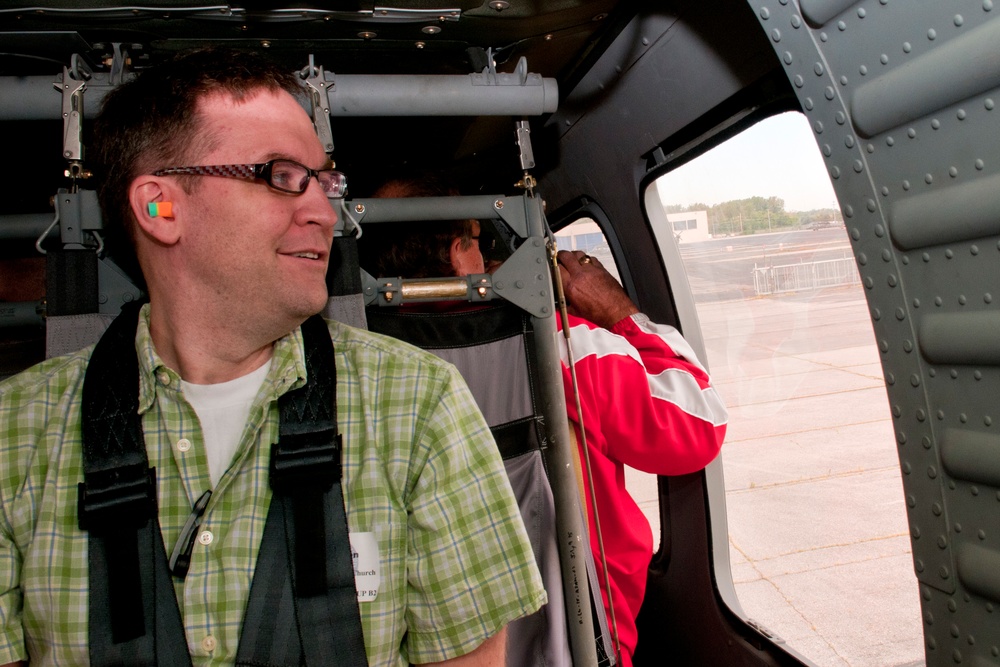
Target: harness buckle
x=117 y=499
x=306 y=460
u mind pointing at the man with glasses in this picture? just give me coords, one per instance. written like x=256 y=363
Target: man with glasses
x=213 y=171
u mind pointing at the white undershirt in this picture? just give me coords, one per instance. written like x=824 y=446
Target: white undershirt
x=223 y=409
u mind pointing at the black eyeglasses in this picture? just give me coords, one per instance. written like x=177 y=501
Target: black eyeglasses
x=282 y=175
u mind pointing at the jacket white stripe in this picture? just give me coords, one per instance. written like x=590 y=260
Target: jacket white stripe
x=674 y=385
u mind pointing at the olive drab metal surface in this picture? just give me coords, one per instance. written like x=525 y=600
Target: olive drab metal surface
x=901 y=97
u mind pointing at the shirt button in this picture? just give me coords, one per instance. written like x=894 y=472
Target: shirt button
x=208 y=643
x=206 y=538
x=183 y=444
x=163 y=378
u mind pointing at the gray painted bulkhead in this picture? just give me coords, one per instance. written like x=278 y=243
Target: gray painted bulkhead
x=639 y=93
x=901 y=98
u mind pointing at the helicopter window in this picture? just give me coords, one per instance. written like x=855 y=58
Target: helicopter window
x=813 y=497
x=585 y=234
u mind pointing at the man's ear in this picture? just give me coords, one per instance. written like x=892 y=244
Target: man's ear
x=155 y=208
x=455 y=251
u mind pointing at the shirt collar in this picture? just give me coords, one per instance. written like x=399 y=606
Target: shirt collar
x=288 y=366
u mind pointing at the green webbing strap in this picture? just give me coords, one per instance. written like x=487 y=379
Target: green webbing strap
x=134 y=617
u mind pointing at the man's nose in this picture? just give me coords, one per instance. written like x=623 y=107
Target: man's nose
x=318 y=208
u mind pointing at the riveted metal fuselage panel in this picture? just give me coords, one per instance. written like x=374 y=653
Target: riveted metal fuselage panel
x=901 y=97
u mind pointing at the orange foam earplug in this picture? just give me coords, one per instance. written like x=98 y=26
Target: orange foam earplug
x=163 y=209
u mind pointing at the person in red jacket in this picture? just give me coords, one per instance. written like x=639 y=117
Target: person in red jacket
x=647 y=401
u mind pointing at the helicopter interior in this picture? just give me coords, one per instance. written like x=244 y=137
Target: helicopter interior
x=594 y=100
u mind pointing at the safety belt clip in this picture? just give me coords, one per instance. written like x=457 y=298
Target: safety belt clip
x=306 y=460
x=117 y=499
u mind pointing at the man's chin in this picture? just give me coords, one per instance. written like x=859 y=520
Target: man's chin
x=314 y=305
x=299 y=306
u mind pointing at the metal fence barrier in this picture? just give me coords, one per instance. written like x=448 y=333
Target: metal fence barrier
x=805 y=276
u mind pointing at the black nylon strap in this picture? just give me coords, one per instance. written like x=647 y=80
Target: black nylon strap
x=133 y=615
x=517 y=437
x=325 y=634
x=305 y=555
x=269 y=625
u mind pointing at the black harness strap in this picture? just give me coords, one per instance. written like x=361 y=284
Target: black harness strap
x=305 y=553
x=303 y=607
x=133 y=617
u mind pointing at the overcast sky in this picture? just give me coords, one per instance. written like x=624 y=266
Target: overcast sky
x=777 y=157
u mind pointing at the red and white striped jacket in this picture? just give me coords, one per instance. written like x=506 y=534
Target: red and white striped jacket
x=648 y=404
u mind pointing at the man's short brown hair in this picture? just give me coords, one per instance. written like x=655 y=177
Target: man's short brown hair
x=151 y=122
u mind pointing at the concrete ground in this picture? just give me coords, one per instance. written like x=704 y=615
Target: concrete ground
x=817 y=529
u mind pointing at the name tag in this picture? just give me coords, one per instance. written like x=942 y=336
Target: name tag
x=364 y=551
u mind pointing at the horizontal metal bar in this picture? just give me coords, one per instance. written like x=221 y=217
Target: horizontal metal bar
x=411 y=209
x=21 y=314
x=26 y=227
x=500 y=94
x=475 y=288
x=40 y=97
x=423 y=209
x=485 y=94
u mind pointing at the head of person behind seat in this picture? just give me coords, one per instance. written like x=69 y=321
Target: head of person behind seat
x=220 y=136
x=591 y=291
x=422 y=250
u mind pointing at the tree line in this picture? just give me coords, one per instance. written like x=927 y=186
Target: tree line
x=755 y=214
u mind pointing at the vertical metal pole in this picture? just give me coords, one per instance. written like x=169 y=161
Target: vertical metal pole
x=572 y=535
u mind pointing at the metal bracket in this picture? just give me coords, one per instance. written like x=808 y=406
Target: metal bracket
x=120 y=60
x=524 y=279
x=516 y=217
x=318 y=87
x=114 y=287
x=522 y=131
x=72 y=90
x=408 y=15
x=77 y=214
x=349 y=218
x=519 y=77
x=490 y=71
x=527 y=156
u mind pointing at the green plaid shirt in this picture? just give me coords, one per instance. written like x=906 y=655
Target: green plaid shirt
x=421 y=473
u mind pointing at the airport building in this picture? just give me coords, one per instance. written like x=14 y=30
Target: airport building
x=689 y=226
x=585 y=235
